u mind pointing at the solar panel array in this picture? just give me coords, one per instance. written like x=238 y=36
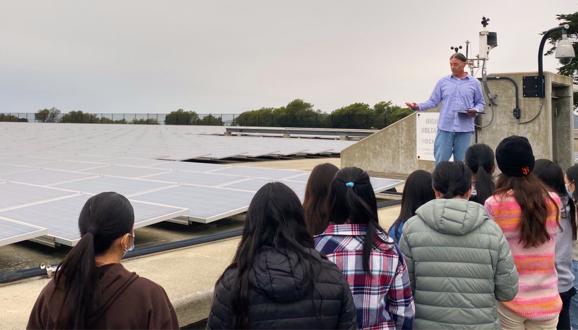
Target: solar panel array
x=94 y=143
x=46 y=177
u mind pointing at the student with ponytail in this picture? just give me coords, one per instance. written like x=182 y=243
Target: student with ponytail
x=91 y=289
x=369 y=260
x=480 y=160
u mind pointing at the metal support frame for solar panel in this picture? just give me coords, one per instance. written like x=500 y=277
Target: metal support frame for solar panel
x=382 y=184
x=14 y=231
x=68 y=221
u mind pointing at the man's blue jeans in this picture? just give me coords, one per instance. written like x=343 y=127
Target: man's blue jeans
x=448 y=143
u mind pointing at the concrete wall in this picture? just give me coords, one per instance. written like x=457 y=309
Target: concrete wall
x=550 y=133
x=392 y=151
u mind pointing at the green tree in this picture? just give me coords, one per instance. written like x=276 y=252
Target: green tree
x=572 y=20
x=210 y=120
x=380 y=114
x=260 y=117
x=104 y=120
x=298 y=113
x=47 y=115
x=11 y=118
x=150 y=121
x=181 y=117
x=356 y=115
x=79 y=117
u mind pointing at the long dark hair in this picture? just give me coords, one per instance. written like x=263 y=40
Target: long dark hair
x=275 y=219
x=480 y=159
x=416 y=192
x=104 y=218
x=352 y=200
x=316 y=192
x=452 y=179
x=534 y=200
x=552 y=176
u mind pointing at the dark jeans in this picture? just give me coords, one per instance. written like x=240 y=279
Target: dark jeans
x=564 y=319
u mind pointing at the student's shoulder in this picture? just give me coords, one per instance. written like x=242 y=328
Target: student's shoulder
x=146 y=286
x=412 y=224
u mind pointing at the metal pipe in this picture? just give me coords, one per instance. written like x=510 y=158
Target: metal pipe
x=541 y=48
x=38 y=271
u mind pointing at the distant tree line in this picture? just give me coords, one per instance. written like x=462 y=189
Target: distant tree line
x=297 y=113
x=7 y=117
x=182 y=117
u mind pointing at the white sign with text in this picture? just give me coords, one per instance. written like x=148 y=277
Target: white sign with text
x=425 y=134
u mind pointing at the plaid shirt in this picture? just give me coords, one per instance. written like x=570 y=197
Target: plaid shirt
x=383 y=298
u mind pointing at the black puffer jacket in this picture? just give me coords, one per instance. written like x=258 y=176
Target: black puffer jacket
x=279 y=299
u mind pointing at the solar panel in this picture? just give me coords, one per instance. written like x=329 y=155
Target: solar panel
x=196 y=178
x=70 y=165
x=15 y=194
x=60 y=217
x=45 y=177
x=381 y=184
x=125 y=171
x=135 y=162
x=69 y=161
x=124 y=186
x=300 y=177
x=6 y=169
x=204 y=204
x=256 y=172
x=13 y=232
x=189 y=166
x=22 y=160
x=255 y=184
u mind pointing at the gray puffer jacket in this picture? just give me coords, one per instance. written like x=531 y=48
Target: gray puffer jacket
x=459 y=264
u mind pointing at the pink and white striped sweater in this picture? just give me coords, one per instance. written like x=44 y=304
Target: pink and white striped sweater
x=537 y=297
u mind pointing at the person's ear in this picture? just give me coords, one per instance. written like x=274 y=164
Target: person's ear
x=125 y=241
x=438 y=194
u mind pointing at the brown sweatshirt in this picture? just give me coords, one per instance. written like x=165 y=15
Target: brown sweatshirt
x=125 y=301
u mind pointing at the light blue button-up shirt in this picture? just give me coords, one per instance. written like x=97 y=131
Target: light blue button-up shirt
x=456 y=95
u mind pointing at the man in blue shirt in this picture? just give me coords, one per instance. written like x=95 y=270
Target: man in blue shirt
x=462 y=99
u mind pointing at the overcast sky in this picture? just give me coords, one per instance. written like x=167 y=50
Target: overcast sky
x=231 y=56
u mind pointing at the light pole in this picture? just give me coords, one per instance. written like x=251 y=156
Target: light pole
x=535 y=86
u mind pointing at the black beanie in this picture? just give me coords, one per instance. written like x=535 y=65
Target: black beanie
x=514 y=156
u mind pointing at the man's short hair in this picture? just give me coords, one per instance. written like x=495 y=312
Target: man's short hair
x=459 y=56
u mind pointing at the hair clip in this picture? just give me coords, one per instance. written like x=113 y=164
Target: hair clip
x=525 y=170
x=350 y=184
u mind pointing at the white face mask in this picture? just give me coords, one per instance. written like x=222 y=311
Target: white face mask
x=568 y=189
x=131 y=247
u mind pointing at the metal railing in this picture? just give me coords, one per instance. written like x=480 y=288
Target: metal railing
x=121 y=118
